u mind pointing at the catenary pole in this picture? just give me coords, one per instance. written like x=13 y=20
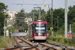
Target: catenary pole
x=65 y=18
x=57 y=25
x=70 y=30
x=4 y=28
x=52 y=17
x=33 y=16
x=39 y=12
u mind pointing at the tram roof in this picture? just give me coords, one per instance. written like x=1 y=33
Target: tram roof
x=40 y=20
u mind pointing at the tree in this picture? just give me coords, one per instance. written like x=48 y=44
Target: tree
x=11 y=28
x=71 y=14
x=2 y=17
x=73 y=28
x=2 y=7
x=1 y=22
x=60 y=13
x=21 y=13
x=20 y=21
x=36 y=14
x=43 y=14
x=71 y=17
x=48 y=19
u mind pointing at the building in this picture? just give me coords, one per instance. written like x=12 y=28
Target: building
x=11 y=14
x=28 y=19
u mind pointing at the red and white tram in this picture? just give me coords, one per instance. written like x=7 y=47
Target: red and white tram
x=38 y=30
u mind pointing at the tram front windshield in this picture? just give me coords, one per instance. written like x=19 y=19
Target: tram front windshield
x=40 y=28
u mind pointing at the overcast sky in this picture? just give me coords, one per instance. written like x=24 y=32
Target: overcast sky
x=28 y=8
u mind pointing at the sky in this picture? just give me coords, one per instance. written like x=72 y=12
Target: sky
x=12 y=4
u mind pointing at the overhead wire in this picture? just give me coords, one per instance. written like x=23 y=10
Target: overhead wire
x=43 y=1
x=22 y=3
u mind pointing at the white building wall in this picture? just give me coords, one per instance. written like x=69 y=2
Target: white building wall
x=11 y=13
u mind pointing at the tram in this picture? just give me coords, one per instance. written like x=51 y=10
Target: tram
x=38 y=30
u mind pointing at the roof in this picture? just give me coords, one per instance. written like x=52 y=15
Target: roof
x=40 y=20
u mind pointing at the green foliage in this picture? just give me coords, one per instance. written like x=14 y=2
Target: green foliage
x=73 y=27
x=61 y=30
x=60 y=13
x=73 y=38
x=1 y=22
x=11 y=28
x=61 y=40
x=21 y=13
x=36 y=14
x=2 y=7
x=2 y=17
x=49 y=32
x=20 y=21
x=26 y=36
x=4 y=43
x=48 y=19
x=43 y=14
x=71 y=14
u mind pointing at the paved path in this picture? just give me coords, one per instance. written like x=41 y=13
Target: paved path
x=11 y=44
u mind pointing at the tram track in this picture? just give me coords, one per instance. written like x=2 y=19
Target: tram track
x=53 y=46
x=23 y=43
x=26 y=45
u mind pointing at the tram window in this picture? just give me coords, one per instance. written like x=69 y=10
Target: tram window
x=40 y=31
x=39 y=24
x=41 y=28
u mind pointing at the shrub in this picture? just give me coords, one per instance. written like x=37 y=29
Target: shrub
x=61 y=40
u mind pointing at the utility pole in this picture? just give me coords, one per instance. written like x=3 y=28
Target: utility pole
x=52 y=17
x=4 y=29
x=70 y=31
x=33 y=16
x=65 y=18
x=57 y=25
x=39 y=12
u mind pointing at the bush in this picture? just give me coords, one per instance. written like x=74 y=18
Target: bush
x=11 y=28
x=49 y=32
x=4 y=43
x=61 y=40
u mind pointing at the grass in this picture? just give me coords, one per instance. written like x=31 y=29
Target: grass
x=61 y=43
x=27 y=36
x=71 y=45
x=4 y=43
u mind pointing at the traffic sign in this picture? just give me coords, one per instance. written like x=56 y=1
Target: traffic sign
x=51 y=28
x=45 y=5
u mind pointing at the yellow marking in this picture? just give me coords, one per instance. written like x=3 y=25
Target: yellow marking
x=51 y=28
x=45 y=5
